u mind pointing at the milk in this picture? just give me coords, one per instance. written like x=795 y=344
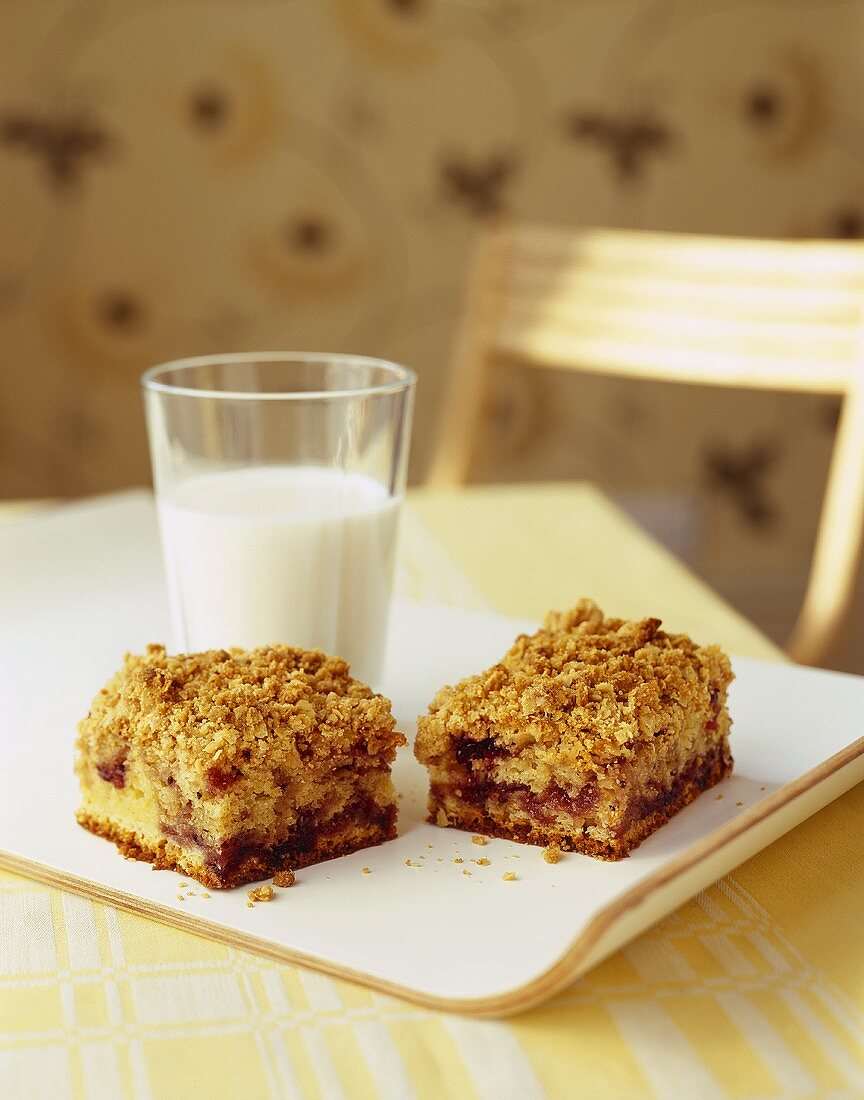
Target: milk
x=301 y=555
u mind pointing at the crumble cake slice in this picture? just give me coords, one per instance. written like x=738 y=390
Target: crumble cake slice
x=588 y=735
x=232 y=766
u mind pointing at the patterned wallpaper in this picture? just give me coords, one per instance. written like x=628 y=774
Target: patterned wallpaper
x=178 y=178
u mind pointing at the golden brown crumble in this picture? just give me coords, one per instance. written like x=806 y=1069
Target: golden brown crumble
x=261 y=893
x=509 y=876
x=274 y=707
x=482 y=862
x=481 y=840
x=552 y=854
x=585 y=685
x=366 y=870
x=284 y=879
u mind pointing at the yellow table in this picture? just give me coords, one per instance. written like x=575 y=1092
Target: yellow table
x=532 y=547
x=755 y=988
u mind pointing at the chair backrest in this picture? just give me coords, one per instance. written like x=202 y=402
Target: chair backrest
x=783 y=315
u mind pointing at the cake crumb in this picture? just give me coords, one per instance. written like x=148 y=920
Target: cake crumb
x=284 y=878
x=411 y=863
x=458 y=859
x=739 y=803
x=260 y=893
x=182 y=885
x=509 y=876
x=181 y=897
x=552 y=854
x=249 y=905
x=465 y=871
x=481 y=840
x=365 y=870
x=761 y=788
x=718 y=797
x=482 y=862
x=204 y=894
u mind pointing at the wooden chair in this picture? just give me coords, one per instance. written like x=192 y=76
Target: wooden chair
x=721 y=311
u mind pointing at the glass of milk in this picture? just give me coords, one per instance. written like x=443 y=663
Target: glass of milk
x=278 y=482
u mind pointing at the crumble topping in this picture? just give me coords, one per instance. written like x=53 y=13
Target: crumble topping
x=509 y=876
x=221 y=713
x=552 y=854
x=284 y=879
x=261 y=893
x=586 y=686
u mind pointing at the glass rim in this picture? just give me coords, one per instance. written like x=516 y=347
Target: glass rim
x=403 y=377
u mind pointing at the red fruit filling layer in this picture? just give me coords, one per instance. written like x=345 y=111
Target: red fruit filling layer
x=308 y=839
x=113 y=772
x=474 y=792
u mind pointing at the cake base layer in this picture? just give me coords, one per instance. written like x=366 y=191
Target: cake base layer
x=241 y=860
x=646 y=814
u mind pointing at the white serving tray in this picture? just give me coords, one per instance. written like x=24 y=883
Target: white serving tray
x=80 y=585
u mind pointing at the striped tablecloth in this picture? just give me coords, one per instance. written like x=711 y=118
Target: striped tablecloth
x=755 y=988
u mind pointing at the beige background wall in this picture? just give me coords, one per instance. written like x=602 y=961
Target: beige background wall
x=177 y=178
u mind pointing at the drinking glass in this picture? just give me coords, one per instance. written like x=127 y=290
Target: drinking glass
x=278 y=480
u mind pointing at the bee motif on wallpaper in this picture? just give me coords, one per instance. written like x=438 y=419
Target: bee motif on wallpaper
x=630 y=141
x=62 y=145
